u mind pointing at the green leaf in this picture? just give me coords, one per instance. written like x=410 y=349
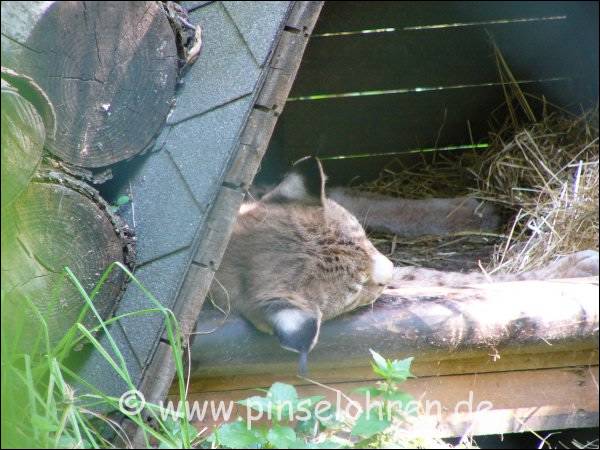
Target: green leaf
x=306 y=427
x=177 y=427
x=399 y=396
x=404 y=401
x=381 y=372
x=236 y=435
x=379 y=360
x=281 y=392
x=369 y=424
x=122 y=200
x=70 y=442
x=400 y=369
x=328 y=419
x=325 y=444
x=281 y=437
x=163 y=444
x=43 y=424
x=330 y=444
x=373 y=391
x=305 y=416
x=285 y=400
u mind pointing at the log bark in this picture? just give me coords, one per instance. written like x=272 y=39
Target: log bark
x=23 y=135
x=58 y=222
x=109 y=69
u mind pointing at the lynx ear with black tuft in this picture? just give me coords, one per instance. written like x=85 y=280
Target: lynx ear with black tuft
x=304 y=183
x=296 y=328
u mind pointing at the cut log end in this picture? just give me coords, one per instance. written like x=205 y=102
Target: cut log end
x=111 y=78
x=22 y=142
x=58 y=222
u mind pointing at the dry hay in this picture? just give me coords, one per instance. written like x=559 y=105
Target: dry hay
x=543 y=171
x=547 y=173
x=541 y=166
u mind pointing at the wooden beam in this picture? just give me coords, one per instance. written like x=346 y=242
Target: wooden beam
x=508 y=402
x=488 y=327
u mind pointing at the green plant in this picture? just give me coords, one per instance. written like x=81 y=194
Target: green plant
x=294 y=422
x=42 y=408
x=395 y=403
x=282 y=405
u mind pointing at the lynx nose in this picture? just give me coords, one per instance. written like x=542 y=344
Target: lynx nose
x=382 y=270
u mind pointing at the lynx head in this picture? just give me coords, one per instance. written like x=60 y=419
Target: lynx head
x=297 y=258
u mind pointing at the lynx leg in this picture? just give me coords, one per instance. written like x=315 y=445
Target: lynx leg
x=404 y=217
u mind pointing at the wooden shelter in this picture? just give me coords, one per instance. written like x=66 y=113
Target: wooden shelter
x=381 y=78
x=111 y=104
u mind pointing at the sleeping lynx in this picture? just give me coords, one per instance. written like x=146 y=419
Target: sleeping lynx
x=297 y=257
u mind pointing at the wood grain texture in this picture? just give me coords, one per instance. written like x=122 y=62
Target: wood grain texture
x=508 y=402
x=23 y=135
x=58 y=222
x=479 y=328
x=109 y=69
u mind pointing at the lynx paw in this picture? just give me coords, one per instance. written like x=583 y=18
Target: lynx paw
x=579 y=264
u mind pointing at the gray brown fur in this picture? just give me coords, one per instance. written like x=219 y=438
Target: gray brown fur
x=407 y=217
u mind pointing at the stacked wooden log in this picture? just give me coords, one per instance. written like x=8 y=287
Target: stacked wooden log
x=85 y=85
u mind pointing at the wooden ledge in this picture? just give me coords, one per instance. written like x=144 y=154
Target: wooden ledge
x=473 y=404
x=482 y=328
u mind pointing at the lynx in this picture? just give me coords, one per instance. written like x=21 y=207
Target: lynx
x=298 y=257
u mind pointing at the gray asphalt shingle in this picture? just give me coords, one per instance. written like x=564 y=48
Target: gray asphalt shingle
x=258 y=22
x=97 y=371
x=161 y=278
x=224 y=71
x=201 y=147
x=165 y=213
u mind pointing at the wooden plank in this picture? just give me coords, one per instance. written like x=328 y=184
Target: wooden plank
x=425 y=365
x=348 y=126
x=387 y=123
x=440 y=57
x=508 y=402
x=353 y=15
